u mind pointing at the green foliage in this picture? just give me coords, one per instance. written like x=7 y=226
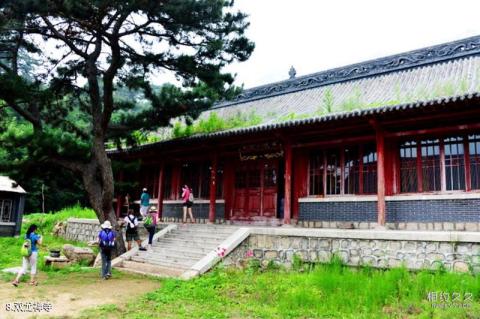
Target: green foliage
x=297 y=262
x=61 y=188
x=215 y=123
x=10 y=246
x=328 y=102
x=67 y=122
x=328 y=291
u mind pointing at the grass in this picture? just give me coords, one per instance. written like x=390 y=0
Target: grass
x=10 y=246
x=326 y=291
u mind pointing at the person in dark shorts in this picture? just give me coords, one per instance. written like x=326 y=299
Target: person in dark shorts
x=132 y=231
x=187 y=197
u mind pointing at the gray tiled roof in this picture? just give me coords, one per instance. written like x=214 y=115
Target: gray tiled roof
x=455 y=77
x=408 y=80
x=439 y=71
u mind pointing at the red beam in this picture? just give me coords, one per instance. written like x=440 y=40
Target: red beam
x=438 y=130
x=288 y=183
x=330 y=142
x=213 y=189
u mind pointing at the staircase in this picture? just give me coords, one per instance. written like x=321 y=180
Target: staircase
x=178 y=250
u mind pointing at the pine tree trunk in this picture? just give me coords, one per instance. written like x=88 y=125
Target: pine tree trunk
x=99 y=184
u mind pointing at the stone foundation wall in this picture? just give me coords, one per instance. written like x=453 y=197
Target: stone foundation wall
x=87 y=229
x=356 y=248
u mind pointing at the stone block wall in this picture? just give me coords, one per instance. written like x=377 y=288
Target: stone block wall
x=416 y=253
x=86 y=230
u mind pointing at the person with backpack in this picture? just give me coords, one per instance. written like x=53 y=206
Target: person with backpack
x=187 y=196
x=106 y=239
x=29 y=252
x=150 y=224
x=132 y=231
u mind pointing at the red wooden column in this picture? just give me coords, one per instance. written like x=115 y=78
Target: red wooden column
x=160 y=191
x=119 y=197
x=288 y=183
x=213 y=190
x=380 y=139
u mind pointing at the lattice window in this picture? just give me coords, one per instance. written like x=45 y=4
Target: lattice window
x=197 y=177
x=408 y=167
x=349 y=170
x=334 y=172
x=369 y=172
x=474 y=156
x=316 y=172
x=454 y=163
x=430 y=150
x=6 y=210
x=352 y=171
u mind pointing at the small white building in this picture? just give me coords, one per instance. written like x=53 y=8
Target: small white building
x=12 y=204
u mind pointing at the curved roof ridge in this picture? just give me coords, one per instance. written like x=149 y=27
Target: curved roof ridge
x=421 y=57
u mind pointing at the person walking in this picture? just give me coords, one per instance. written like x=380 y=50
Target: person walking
x=106 y=239
x=151 y=225
x=32 y=239
x=132 y=230
x=144 y=202
x=187 y=197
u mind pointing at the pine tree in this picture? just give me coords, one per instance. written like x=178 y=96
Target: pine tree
x=69 y=99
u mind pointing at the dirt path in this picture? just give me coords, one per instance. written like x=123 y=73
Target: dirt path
x=69 y=294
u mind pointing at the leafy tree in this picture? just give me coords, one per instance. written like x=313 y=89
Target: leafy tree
x=101 y=46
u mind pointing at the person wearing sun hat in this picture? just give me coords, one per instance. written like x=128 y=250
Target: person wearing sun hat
x=106 y=239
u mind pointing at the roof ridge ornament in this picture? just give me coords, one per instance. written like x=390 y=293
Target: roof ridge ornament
x=407 y=60
x=292 y=72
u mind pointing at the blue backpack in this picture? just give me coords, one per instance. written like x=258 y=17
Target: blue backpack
x=107 y=239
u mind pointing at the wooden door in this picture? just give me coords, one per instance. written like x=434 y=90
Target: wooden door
x=240 y=200
x=255 y=190
x=269 y=189
x=254 y=197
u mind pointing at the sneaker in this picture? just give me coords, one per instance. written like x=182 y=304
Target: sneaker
x=142 y=249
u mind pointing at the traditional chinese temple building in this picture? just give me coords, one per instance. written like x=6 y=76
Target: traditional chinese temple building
x=392 y=140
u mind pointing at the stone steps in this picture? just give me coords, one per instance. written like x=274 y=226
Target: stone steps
x=189 y=243
x=149 y=269
x=159 y=261
x=178 y=250
x=168 y=255
x=184 y=249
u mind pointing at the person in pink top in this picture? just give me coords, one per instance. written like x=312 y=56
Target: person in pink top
x=187 y=197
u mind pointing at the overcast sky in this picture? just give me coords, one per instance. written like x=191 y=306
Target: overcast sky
x=315 y=35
